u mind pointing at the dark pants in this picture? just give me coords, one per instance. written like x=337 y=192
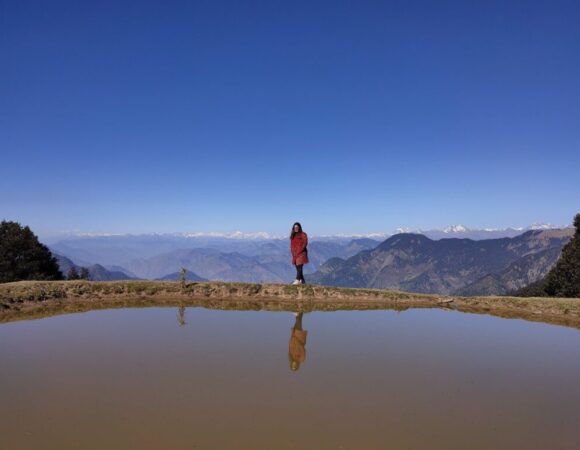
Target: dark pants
x=299 y=274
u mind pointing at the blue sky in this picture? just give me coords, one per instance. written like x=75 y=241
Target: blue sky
x=347 y=116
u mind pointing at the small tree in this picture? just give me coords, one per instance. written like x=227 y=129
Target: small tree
x=23 y=257
x=72 y=274
x=84 y=274
x=182 y=276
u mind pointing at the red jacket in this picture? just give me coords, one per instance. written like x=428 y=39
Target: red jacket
x=298 y=248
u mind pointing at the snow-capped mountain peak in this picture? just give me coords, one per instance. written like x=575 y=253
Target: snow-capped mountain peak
x=406 y=230
x=542 y=226
x=455 y=229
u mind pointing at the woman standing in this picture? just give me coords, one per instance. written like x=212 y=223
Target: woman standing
x=298 y=242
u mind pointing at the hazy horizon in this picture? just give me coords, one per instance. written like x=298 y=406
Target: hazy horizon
x=451 y=228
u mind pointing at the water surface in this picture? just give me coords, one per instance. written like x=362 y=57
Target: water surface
x=156 y=378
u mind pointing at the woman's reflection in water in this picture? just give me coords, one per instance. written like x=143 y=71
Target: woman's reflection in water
x=296 y=346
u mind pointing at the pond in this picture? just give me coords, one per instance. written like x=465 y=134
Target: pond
x=194 y=378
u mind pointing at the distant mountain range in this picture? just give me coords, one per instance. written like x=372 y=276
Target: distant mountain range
x=271 y=262
x=446 y=265
x=205 y=239
x=413 y=262
x=117 y=249
x=459 y=231
x=96 y=271
x=212 y=258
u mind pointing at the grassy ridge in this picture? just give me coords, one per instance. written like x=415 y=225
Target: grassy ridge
x=29 y=299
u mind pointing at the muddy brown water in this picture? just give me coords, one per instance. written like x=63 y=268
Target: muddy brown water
x=163 y=378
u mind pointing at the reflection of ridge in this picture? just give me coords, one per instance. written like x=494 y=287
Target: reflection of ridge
x=297 y=344
x=507 y=307
x=181 y=316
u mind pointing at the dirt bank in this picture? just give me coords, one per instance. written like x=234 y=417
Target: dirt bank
x=34 y=299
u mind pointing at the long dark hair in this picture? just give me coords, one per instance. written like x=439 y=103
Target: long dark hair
x=293 y=233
